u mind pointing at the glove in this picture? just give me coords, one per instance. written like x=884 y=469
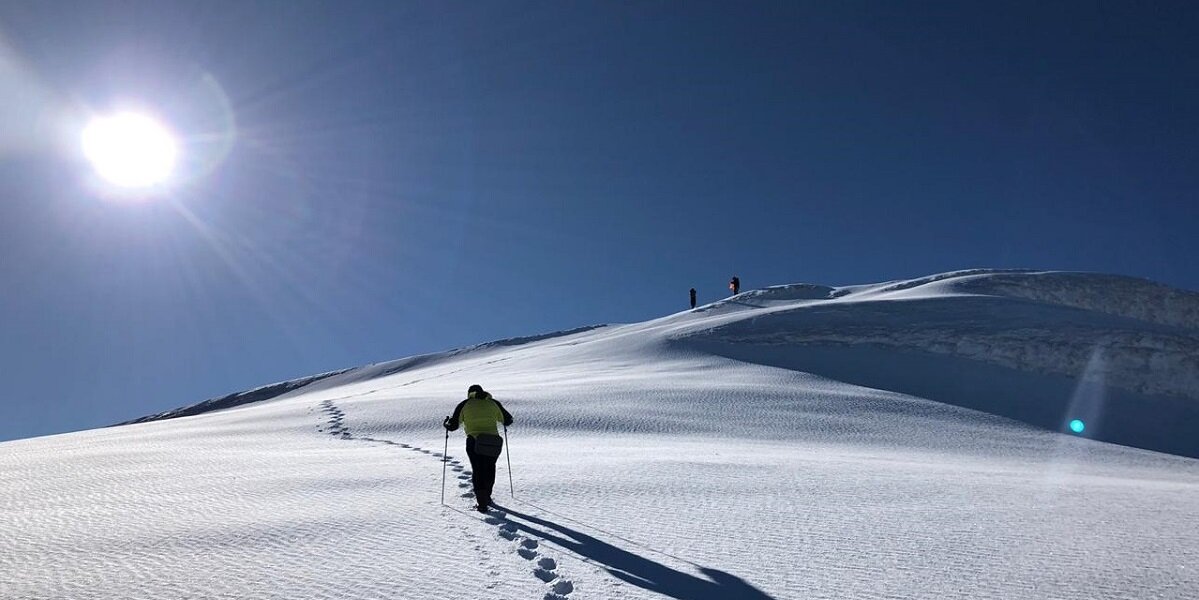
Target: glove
x=448 y=426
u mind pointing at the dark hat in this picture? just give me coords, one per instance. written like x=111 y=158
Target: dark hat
x=474 y=388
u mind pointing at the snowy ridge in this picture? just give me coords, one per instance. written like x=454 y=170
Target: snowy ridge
x=1015 y=343
x=1044 y=337
x=257 y=394
x=343 y=376
x=792 y=442
x=1041 y=347
x=1110 y=294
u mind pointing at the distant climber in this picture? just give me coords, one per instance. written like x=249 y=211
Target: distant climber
x=735 y=285
x=479 y=414
x=692 y=297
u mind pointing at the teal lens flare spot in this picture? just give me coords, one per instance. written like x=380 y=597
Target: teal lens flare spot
x=1077 y=426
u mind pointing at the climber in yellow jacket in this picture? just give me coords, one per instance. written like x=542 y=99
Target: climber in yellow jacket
x=478 y=414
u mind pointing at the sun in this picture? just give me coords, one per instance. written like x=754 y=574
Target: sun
x=130 y=150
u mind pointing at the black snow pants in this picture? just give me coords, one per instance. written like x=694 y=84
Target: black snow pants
x=482 y=473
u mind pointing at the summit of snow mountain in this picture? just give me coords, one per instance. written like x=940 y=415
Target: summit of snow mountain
x=1041 y=347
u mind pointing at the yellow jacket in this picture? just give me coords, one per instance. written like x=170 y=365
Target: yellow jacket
x=478 y=414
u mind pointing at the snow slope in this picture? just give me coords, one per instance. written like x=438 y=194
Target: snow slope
x=794 y=442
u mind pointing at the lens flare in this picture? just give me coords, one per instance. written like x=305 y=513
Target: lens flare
x=1077 y=426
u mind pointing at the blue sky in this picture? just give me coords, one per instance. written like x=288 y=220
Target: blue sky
x=413 y=177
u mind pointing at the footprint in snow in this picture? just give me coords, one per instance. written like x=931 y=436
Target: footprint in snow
x=545 y=570
x=508 y=532
x=560 y=590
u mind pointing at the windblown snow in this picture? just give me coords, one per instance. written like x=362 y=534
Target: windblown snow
x=897 y=440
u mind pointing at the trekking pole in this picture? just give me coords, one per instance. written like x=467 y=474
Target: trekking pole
x=444 y=458
x=508 y=455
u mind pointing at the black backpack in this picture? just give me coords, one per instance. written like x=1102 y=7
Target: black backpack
x=488 y=444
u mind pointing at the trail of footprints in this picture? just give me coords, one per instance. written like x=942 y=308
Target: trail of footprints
x=335 y=426
x=544 y=567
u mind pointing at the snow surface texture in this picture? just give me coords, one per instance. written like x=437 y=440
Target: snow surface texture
x=688 y=457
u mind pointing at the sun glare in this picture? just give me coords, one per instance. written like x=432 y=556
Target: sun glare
x=130 y=150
